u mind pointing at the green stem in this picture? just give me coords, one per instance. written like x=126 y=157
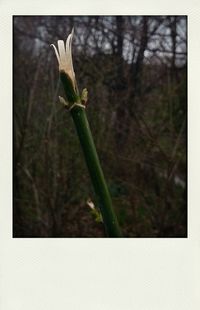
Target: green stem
x=103 y=196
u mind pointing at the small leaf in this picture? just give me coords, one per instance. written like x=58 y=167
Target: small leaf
x=84 y=95
x=95 y=212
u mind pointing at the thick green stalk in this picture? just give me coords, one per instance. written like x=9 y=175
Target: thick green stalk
x=104 y=200
x=85 y=136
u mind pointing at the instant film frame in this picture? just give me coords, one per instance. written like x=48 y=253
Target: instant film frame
x=106 y=273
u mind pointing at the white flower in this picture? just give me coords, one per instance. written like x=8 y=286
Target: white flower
x=64 y=57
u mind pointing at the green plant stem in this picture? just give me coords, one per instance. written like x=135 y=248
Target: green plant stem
x=103 y=196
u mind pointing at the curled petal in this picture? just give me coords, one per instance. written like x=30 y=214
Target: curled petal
x=56 y=52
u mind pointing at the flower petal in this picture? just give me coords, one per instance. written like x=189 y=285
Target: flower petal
x=56 y=52
x=69 y=52
x=61 y=50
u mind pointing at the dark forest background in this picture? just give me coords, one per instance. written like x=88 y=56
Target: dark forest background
x=135 y=70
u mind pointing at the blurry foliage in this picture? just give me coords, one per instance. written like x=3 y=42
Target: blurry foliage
x=135 y=69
